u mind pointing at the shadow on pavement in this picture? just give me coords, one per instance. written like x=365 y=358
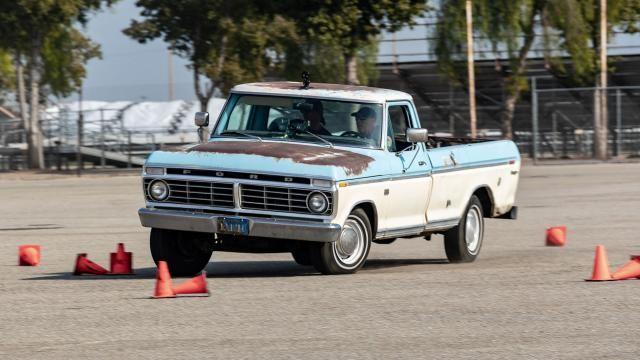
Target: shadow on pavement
x=241 y=269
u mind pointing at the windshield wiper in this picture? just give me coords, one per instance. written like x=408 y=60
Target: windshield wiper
x=241 y=133
x=329 y=143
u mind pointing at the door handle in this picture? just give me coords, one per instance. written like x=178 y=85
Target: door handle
x=421 y=163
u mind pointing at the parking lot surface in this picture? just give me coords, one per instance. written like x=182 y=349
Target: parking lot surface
x=520 y=299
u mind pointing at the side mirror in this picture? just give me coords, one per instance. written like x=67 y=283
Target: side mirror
x=202 y=118
x=417 y=135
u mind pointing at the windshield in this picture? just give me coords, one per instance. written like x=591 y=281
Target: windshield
x=326 y=122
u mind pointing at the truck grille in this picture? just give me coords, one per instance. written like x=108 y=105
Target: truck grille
x=258 y=197
x=197 y=193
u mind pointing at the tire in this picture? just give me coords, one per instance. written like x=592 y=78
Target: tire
x=458 y=247
x=302 y=255
x=186 y=253
x=348 y=254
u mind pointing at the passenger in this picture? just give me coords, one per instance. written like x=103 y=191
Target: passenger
x=366 y=122
x=315 y=117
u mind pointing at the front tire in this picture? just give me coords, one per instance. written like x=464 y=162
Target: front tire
x=186 y=253
x=463 y=242
x=348 y=254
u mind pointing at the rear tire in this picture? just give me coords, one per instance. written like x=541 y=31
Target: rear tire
x=348 y=254
x=463 y=242
x=186 y=253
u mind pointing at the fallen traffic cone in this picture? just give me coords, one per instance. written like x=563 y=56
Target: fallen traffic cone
x=628 y=270
x=556 y=236
x=86 y=266
x=121 y=262
x=163 y=282
x=197 y=285
x=29 y=255
x=600 y=266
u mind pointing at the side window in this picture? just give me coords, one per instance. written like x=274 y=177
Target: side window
x=397 y=129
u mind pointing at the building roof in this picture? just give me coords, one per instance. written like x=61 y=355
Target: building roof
x=324 y=91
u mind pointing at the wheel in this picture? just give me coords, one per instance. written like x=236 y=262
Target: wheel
x=463 y=242
x=349 y=253
x=186 y=253
x=302 y=255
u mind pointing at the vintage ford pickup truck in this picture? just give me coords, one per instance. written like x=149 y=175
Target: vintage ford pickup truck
x=322 y=171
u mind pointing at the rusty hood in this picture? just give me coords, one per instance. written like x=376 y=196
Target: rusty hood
x=289 y=158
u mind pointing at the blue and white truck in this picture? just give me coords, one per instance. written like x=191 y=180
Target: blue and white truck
x=322 y=171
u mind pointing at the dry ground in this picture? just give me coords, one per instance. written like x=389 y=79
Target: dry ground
x=519 y=300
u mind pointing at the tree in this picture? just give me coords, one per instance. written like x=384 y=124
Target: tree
x=65 y=53
x=579 y=37
x=352 y=25
x=224 y=41
x=7 y=74
x=512 y=27
x=26 y=25
x=508 y=26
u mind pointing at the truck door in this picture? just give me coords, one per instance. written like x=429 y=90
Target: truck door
x=410 y=182
x=450 y=184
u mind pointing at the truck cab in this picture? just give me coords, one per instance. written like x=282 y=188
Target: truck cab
x=322 y=171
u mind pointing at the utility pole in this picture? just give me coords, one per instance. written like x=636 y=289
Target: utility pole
x=602 y=136
x=170 y=62
x=80 y=131
x=471 y=73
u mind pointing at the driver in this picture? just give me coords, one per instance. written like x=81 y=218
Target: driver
x=365 y=121
x=315 y=117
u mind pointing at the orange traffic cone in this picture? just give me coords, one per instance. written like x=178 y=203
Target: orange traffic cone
x=29 y=255
x=121 y=261
x=197 y=285
x=556 y=236
x=163 y=282
x=629 y=270
x=600 y=266
x=86 y=266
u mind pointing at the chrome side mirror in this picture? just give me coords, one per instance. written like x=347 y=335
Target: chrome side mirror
x=202 y=118
x=202 y=121
x=417 y=135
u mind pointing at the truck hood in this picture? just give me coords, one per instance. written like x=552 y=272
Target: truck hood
x=280 y=157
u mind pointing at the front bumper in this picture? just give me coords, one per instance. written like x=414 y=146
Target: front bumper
x=258 y=227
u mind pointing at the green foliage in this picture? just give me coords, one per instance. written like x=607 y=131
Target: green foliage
x=45 y=28
x=65 y=52
x=7 y=74
x=335 y=30
x=579 y=34
x=227 y=41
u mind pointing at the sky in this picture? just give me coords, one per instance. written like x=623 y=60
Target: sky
x=135 y=72
x=129 y=70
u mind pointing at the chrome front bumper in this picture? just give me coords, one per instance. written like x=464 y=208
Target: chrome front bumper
x=259 y=227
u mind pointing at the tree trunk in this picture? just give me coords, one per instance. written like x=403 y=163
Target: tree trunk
x=22 y=96
x=36 y=153
x=351 y=69
x=506 y=117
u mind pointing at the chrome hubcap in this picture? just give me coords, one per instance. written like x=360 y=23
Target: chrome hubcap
x=352 y=242
x=473 y=229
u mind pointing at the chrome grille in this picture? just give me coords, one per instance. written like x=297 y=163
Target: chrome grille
x=258 y=197
x=196 y=193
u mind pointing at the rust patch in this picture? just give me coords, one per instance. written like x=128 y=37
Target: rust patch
x=353 y=163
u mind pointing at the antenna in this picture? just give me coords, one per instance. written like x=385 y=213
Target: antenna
x=306 y=80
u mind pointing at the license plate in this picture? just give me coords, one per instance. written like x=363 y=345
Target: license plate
x=235 y=226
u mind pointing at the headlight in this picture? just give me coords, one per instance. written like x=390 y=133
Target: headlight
x=158 y=190
x=317 y=202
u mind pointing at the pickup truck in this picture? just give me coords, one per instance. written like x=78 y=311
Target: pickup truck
x=322 y=171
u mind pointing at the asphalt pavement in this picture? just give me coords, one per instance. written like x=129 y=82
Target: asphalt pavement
x=520 y=299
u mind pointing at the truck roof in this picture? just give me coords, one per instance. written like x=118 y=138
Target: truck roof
x=323 y=91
